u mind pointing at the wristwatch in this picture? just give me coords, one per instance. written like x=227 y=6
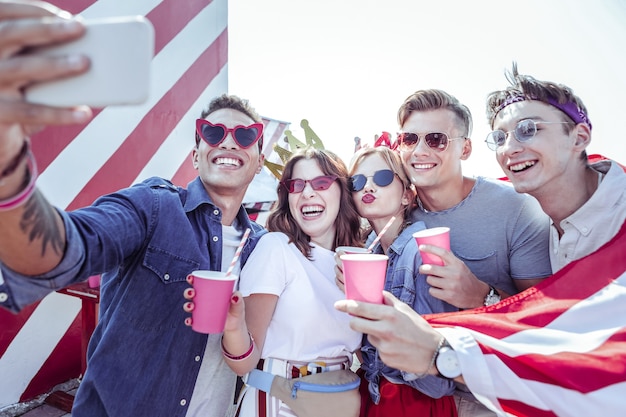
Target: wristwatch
x=447 y=362
x=492 y=297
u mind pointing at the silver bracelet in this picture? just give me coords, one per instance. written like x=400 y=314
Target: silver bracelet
x=432 y=360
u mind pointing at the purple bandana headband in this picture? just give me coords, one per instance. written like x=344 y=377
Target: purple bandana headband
x=570 y=108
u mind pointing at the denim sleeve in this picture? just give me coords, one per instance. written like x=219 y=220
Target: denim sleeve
x=433 y=386
x=18 y=291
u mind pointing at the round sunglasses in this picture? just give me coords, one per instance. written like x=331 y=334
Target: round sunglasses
x=524 y=131
x=215 y=133
x=438 y=141
x=382 y=178
x=296 y=185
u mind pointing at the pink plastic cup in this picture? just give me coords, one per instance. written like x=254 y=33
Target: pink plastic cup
x=364 y=275
x=437 y=236
x=211 y=302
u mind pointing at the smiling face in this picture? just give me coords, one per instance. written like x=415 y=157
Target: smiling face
x=376 y=202
x=227 y=169
x=314 y=211
x=427 y=167
x=545 y=165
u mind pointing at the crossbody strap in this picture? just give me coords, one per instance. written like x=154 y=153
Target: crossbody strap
x=260 y=380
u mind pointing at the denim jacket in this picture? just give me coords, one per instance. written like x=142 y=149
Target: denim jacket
x=145 y=240
x=406 y=283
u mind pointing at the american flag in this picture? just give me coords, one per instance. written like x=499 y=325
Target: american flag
x=40 y=347
x=557 y=349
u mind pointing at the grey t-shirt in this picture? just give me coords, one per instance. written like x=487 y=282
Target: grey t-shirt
x=501 y=235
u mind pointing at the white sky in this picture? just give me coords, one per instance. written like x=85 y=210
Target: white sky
x=347 y=65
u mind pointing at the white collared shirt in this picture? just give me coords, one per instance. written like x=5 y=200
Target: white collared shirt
x=593 y=224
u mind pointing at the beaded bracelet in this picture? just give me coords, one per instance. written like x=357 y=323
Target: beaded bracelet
x=21 y=197
x=241 y=357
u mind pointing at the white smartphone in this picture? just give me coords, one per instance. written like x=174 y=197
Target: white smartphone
x=120 y=50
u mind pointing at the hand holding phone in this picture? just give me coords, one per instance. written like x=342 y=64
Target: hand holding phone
x=120 y=50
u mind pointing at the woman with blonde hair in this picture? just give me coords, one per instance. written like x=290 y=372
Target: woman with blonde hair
x=381 y=190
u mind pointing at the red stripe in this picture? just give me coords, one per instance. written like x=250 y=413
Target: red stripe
x=170 y=17
x=74 y=6
x=130 y=158
x=12 y=322
x=51 y=141
x=186 y=172
x=62 y=365
x=524 y=410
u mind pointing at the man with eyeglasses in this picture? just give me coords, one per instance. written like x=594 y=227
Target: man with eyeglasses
x=490 y=258
x=541 y=132
x=558 y=348
x=144 y=240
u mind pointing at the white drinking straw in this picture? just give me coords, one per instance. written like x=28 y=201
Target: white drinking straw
x=238 y=252
x=382 y=232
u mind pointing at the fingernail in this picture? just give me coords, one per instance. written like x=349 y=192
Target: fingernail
x=235 y=299
x=188 y=321
x=81 y=114
x=189 y=306
x=70 y=24
x=189 y=293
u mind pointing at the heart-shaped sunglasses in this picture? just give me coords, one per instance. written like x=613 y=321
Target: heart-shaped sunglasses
x=215 y=133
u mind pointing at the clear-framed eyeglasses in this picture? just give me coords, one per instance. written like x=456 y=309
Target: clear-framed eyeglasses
x=524 y=131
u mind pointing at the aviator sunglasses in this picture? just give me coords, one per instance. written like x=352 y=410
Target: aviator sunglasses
x=435 y=140
x=524 y=131
x=382 y=178
x=296 y=185
x=215 y=133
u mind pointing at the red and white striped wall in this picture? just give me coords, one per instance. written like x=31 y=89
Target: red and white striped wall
x=40 y=347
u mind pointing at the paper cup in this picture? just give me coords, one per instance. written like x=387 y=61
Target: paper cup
x=211 y=302
x=364 y=276
x=350 y=250
x=437 y=236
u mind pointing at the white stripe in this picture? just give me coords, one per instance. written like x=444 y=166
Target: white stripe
x=110 y=8
x=32 y=346
x=270 y=129
x=82 y=158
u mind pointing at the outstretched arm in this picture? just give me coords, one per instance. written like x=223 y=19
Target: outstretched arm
x=33 y=238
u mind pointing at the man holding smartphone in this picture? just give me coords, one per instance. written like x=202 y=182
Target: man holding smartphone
x=144 y=240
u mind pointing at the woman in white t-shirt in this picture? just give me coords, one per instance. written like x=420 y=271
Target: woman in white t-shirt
x=288 y=283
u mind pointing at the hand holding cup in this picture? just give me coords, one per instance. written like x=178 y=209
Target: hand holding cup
x=436 y=236
x=212 y=292
x=364 y=276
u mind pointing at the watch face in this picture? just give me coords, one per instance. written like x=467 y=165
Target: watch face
x=448 y=363
x=492 y=297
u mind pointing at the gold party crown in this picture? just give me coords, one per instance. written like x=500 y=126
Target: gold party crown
x=284 y=154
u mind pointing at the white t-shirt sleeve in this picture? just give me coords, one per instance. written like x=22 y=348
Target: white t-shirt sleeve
x=265 y=271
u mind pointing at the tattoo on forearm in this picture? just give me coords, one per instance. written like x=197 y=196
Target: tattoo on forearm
x=39 y=222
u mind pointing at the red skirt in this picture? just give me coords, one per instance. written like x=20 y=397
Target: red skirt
x=400 y=400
